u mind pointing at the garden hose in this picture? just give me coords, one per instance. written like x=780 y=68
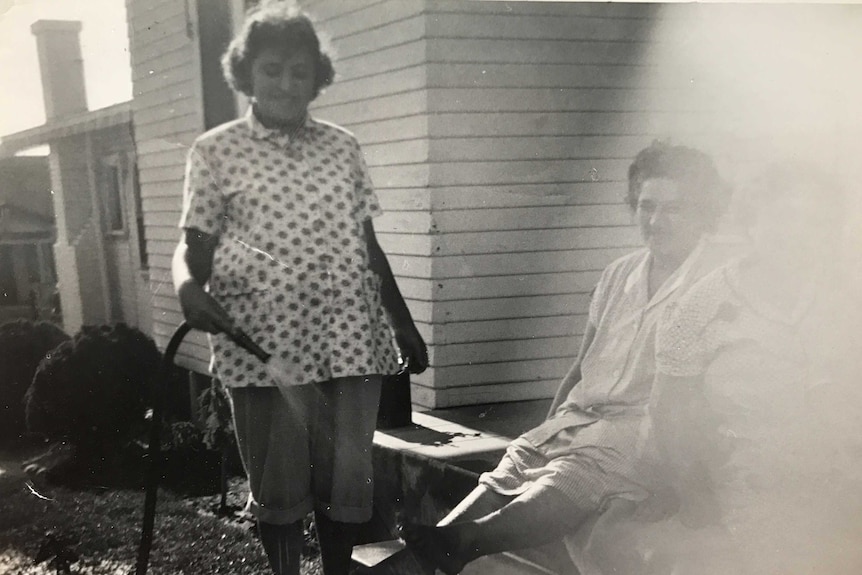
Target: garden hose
x=241 y=339
x=159 y=389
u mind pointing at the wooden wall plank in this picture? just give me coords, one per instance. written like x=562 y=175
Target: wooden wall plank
x=518 y=241
x=500 y=351
x=531 y=218
x=477 y=265
x=510 y=307
x=513 y=285
x=476 y=195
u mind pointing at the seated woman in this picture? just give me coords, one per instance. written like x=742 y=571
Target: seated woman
x=757 y=404
x=557 y=476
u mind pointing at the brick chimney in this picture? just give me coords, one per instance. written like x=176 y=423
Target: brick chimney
x=59 y=46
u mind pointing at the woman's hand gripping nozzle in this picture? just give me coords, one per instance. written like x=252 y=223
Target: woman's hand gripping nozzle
x=279 y=370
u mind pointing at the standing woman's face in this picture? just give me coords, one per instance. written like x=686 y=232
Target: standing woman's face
x=282 y=85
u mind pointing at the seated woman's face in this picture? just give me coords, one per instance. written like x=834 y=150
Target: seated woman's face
x=670 y=222
x=282 y=84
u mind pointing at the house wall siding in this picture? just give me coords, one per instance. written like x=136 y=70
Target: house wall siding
x=168 y=115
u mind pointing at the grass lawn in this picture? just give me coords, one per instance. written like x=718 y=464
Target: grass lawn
x=102 y=527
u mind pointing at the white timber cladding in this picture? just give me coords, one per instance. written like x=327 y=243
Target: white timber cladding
x=167 y=112
x=535 y=112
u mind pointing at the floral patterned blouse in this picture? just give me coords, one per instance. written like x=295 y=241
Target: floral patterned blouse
x=291 y=266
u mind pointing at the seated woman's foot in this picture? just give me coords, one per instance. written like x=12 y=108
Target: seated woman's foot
x=433 y=546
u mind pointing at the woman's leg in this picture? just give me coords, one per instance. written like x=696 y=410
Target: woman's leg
x=480 y=502
x=538 y=516
x=344 y=424
x=272 y=439
x=423 y=539
x=336 y=540
x=283 y=546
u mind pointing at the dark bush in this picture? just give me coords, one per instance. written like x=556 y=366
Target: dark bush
x=218 y=434
x=92 y=391
x=23 y=344
x=188 y=467
x=215 y=412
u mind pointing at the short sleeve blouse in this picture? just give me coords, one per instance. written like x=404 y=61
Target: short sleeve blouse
x=690 y=331
x=291 y=266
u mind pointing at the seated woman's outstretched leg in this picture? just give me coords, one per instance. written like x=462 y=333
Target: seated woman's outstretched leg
x=486 y=523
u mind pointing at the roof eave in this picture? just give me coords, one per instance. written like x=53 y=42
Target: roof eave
x=107 y=117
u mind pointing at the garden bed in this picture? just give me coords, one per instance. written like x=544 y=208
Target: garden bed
x=102 y=528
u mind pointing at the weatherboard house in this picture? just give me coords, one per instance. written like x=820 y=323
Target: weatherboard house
x=98 y=240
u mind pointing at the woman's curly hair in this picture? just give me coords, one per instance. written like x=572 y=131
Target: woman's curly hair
x=280 y=25
x=692 y=170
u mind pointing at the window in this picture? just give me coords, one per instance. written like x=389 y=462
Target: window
x=112 y=182
x=139 y=218
x=8 y=284
x=46 y=259
x=29 y=254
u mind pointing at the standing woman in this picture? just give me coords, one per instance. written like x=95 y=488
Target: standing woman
x=277 y=224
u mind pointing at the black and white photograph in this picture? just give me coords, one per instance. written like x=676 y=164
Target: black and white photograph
x=430 y=287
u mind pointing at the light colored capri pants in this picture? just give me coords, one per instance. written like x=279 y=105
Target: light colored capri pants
x=309 y=448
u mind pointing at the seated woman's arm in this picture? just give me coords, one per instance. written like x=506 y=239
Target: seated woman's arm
x=574 y=376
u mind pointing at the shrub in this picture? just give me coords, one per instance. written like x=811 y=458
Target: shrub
x=182 y=436
x=218 y=433
x=23 y=344
x=93 y=389
x=188 y=467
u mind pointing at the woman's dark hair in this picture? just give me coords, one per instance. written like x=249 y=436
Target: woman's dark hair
x=692 y=170
x=280 y=25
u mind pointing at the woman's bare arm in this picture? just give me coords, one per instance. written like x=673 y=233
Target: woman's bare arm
x=412 y=346
x=191 y=268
